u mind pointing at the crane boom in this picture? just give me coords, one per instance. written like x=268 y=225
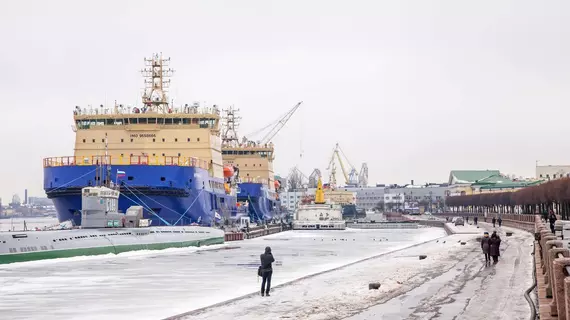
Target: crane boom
x=280 y=124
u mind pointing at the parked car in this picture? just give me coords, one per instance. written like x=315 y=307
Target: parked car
x=459 y=221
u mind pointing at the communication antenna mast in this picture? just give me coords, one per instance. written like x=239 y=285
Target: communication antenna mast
x=230 y=124
x=157 y=82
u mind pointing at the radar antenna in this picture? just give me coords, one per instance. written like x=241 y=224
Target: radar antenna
x=230 y=125
x=155 y=98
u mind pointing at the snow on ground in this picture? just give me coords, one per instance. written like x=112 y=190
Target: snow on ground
x=466 y=229
x=156 y=284
x=453 y=282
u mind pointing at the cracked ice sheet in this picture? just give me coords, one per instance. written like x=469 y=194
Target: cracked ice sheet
x=451 y=283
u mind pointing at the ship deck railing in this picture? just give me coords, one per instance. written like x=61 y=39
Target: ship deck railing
x=132 y=160
x=121 y=110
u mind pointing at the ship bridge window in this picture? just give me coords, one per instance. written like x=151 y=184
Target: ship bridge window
x=152 y=120
x=143 y=120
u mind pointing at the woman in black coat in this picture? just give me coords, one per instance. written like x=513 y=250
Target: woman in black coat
x=494 y=246
x=486 y=246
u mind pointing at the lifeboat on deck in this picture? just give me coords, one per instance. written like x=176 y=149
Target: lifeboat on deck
x=228 y=172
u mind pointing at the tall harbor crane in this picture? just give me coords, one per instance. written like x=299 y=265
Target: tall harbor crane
x=351 y=177
x=275 y=126
x=363 y=176
x=296 y=180
x=314 y=178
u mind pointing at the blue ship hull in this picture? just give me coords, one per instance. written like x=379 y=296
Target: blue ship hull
x=263 y=204
x=170 y=195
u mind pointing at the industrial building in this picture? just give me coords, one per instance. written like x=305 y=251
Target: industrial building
x=552 y=172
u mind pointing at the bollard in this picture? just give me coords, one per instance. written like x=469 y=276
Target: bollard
x=559 y=300
x=567 y=295
x=374 y=285
x=554 y=247
x=544 y=251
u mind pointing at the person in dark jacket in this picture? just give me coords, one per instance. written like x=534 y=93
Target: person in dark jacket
x=494 y=220
x=494 y=246
x=266 y=270
x=552 y=220
x=500 y=221
x=475 y=219
x=486 y=246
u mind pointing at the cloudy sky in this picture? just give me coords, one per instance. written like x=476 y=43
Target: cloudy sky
x=413 y=88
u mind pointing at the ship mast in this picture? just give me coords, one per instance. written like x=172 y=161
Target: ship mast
x=230 y=123
x=156 y=81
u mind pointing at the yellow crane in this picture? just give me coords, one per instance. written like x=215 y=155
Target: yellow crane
x=350 y=177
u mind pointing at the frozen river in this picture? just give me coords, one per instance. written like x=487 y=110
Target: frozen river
x=158 y=284
x=453 y=282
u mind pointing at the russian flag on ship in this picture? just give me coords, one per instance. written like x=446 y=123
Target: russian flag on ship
x=120 y=173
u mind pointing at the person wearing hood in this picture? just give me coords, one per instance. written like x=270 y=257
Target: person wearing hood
x=266 y=270
x=486 y=246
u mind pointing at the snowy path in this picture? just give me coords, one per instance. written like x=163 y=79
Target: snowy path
x=451 y=283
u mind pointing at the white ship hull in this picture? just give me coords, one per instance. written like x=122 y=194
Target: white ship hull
x=319 y=217
x=38 y=245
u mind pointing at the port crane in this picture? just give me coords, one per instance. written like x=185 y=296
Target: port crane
x=276 y=126
x=314 y=178
x=352 y=177
x=295 y=180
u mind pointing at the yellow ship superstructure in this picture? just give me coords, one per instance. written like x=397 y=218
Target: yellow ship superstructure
x=253 y=160
x=167 y=158
x=157 y=133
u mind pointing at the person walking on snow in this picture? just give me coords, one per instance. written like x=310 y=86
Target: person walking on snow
x=494 y=220
x=475 y=220
x=486 y=246
x=494 y=246
x=500 y=221
x=266 y=270
x=552 y=220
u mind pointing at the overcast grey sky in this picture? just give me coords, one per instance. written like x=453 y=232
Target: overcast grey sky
x=413 y=88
